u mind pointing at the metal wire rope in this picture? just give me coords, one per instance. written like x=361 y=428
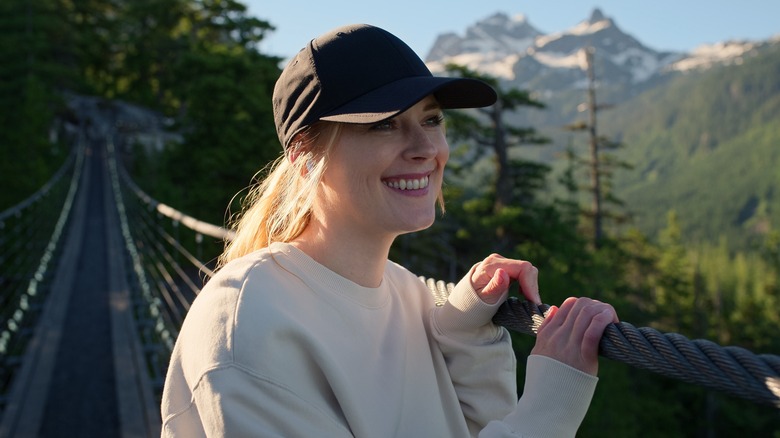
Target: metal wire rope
x=733 y=370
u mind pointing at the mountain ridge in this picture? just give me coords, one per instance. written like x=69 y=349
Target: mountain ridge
x=513 y=50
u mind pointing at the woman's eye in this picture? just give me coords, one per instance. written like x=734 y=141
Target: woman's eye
x=436 y=120
x=383 y=125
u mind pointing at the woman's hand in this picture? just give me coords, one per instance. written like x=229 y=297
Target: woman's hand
x=571 y=334
x=491 y=278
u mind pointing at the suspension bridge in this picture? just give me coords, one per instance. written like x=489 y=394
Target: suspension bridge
x=96 y=277
x=94 y=285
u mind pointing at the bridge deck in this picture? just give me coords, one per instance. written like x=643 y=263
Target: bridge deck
x=83 y=373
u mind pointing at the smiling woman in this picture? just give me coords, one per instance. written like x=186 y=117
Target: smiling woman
x=308 y=329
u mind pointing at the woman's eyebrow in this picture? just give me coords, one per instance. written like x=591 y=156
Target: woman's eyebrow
x=432 y=106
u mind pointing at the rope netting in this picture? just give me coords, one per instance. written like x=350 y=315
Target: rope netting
x=733 y=370
x=31 y=240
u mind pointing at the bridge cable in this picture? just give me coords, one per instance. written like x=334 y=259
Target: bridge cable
x=733 y=370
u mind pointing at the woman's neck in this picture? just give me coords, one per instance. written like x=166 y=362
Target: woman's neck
x=361 y=260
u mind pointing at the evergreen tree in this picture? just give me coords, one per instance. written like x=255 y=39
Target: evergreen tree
x=34 y=66
x=152 y=41
x=496 y=135
x=198 y=61
x=96 y=39
x=229 y=132
x=600 y=165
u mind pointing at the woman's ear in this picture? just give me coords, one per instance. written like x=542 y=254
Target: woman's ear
x=294 y=151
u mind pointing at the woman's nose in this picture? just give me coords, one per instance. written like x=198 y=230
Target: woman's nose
x=420 y=145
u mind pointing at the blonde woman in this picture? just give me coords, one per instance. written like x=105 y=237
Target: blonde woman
x=309 y=330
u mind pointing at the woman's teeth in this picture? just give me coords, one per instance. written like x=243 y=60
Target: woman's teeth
x=408 y=184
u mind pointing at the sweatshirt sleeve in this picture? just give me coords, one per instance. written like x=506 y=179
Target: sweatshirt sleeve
x=478 y=355
x=554 y=402
x=482 y=367
x=234 y=402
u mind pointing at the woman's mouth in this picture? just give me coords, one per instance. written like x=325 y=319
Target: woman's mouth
x=407 y=183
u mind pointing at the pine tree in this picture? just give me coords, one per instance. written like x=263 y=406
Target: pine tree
x=197 y=61
x=495 y=134
x=34 y=66
x=600 y=166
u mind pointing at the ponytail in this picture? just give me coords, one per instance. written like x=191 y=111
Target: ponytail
x=279 y=208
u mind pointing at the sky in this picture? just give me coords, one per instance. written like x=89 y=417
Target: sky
x=663 y=25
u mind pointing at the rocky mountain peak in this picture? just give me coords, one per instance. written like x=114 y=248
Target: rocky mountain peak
x=513 y=50
x=596 y=16
x=496 y=35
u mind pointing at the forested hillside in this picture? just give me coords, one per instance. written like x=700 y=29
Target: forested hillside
x=704 y=146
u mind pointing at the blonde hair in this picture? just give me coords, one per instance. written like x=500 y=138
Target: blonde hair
x=278 y=208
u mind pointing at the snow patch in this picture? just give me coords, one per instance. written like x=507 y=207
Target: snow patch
x=641 y=64
x=543 y=40
x=494 y=64
x=562 y=60
x=707 y=55
x=588 y=28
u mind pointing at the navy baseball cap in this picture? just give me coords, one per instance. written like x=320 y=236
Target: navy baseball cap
x=362 y=74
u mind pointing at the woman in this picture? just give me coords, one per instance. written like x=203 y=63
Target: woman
x=309 y=330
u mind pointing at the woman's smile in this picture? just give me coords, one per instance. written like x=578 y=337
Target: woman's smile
x=410 y=185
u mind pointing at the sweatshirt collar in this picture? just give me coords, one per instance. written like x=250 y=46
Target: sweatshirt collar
x=322 y=280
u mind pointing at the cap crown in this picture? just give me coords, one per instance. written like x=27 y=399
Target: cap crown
x=361 y=74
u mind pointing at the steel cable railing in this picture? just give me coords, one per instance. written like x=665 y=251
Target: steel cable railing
x=167 y=274
x=732 y=370
x=30 y=242
x=158 y=259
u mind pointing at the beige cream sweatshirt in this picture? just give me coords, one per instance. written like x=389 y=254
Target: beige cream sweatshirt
x=277 y=345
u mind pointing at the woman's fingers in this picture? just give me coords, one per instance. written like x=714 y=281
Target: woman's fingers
x=496 y=287
x=562 y=316
x=548 y=317
x=571 y=333
x=528 y=277
x=594 y=332
x=524 y=272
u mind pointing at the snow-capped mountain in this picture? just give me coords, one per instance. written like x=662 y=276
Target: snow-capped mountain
x=492 y=46
x=512 y=50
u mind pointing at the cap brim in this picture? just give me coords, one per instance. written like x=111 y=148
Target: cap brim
x=396 y=97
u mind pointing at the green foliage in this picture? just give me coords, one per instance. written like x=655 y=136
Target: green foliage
x=706 y=146
x=198 y=62
x=231 y=132
x=730 y=298
x=488 y=131
x=703 y=291
x=30 y=71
